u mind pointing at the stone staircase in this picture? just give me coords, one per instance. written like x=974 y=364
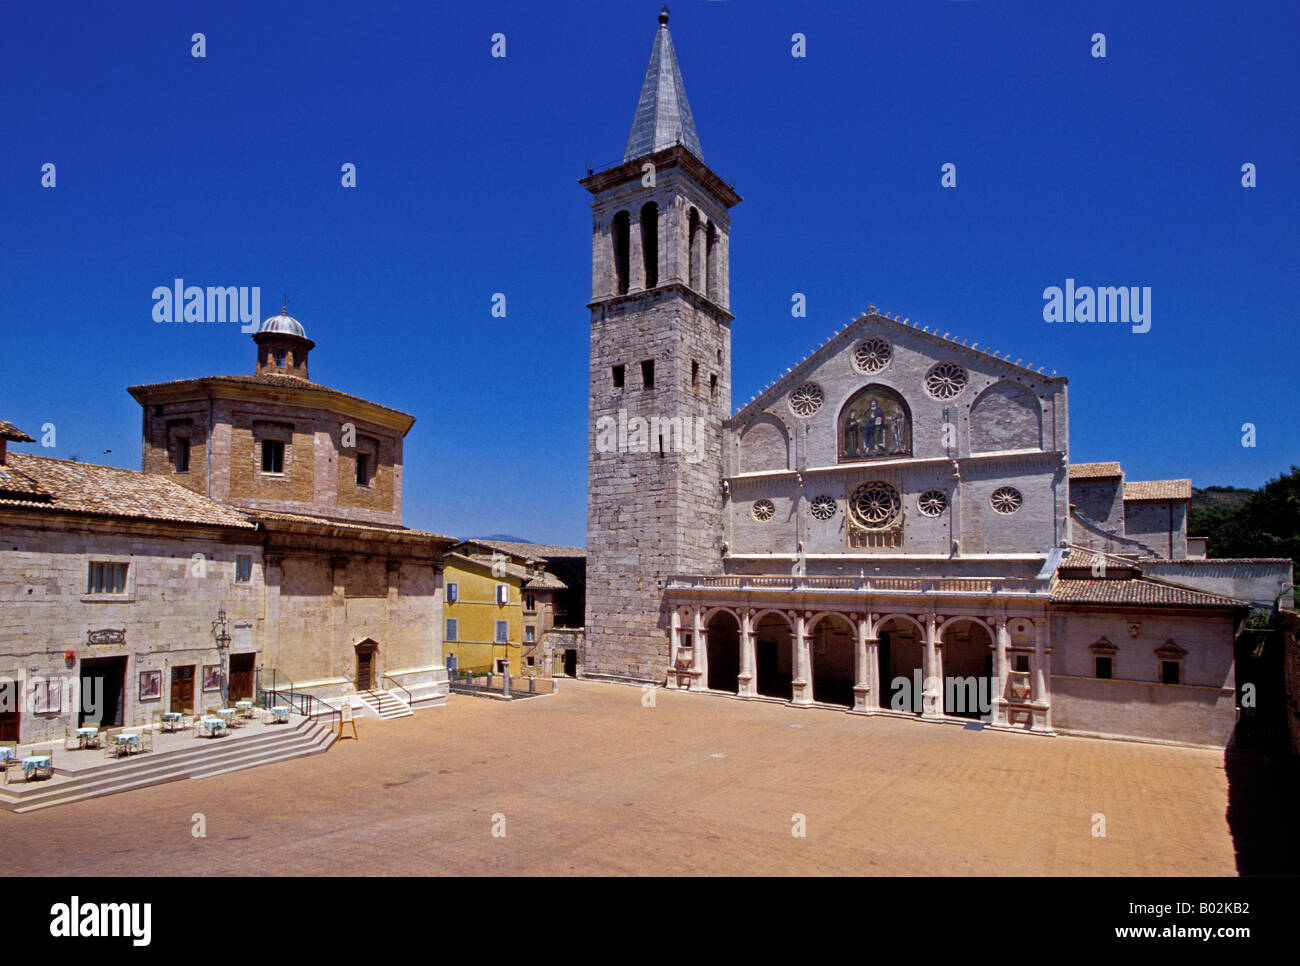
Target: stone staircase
x=203 y=758
x=384 y=704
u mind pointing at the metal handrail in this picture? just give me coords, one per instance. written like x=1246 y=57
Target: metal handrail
x=388 y=677
x=305 y=704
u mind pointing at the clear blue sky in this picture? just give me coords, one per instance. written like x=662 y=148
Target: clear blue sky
x=225 y=171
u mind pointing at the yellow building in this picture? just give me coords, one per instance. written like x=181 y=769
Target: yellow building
x=483 y=611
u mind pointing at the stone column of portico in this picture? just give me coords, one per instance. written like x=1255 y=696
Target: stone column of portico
x=800 y=686
x=864 y=693
x=1003 y=641
x=702 y=656
x=697 y=639
x=931 y=673
x=1042 y=672
x=745 y=682
x=674 y=643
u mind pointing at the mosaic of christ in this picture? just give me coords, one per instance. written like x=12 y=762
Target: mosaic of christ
x=874 y=424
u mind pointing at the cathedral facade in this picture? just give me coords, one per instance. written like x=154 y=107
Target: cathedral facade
x=893 y=526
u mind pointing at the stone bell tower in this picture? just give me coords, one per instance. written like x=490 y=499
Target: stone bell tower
x=660 y=376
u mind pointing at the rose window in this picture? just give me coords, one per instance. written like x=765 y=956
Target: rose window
x=874 y=505
x=807 y=399
x=823 y=507
x=932 y=502
x=872 y=355
x=1006 y=499
x=764 y=510
x=946 y=380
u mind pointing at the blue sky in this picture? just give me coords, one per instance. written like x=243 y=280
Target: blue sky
x=226 y=171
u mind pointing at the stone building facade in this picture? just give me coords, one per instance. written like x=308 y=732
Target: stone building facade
x=262 y=541
x=892 y=526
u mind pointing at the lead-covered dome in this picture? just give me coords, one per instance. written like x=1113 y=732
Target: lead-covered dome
x=284 y=324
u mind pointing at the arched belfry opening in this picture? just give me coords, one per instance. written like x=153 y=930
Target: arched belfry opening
x=650 y=242
x=711 y=262
x=621 y=233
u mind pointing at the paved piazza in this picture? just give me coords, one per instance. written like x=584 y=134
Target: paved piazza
x=591 y=782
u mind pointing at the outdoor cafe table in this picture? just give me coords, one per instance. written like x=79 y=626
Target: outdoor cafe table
x=126 y=741
x=227 y=714
x=171 y=720
x=281 y=712
x=246 y=707
x=37 y=762
x=6 y=754
x=86 y=735
x=213 y=726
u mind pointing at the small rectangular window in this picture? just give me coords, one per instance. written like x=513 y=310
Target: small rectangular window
x=530 y=634
x=1170 y=672
x=453 y=593
x=243 y=568
x=530 y=603
x=182 y=454
x=617 y=372
x=695 y=374
x=503 y=632
x=451 y=629
x=713 y=386
x=648 y=374
x=1104 y=668
x=106 y=578
x=503 y=594
x=272 y=456
x=530 y=660
x=363 y=469
x=1022 y=662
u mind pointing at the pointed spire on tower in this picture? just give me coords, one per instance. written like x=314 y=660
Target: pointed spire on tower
x=663 y=114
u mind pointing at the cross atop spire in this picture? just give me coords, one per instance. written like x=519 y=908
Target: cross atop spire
x=663 y=114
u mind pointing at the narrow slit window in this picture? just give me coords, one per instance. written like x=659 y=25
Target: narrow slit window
x=617 y=373
x=272 y=456
x=648 y=374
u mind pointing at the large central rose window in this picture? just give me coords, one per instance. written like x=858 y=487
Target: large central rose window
x=874 y=506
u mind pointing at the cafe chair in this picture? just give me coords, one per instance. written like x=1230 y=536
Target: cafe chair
x=71 y=741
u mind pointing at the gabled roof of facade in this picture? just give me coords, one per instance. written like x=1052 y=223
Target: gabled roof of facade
x=854 y=329
x=68 y=487
x=360 y=527
x=663 y=114
x=1158 y=490
x=1094 y=471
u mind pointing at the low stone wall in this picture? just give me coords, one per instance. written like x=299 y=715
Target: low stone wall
x=1143 y=709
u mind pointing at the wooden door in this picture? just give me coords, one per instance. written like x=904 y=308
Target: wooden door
x=365 y=669
x=241 y=676
x=183 y=688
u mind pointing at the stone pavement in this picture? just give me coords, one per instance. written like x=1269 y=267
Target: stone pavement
x=589 y=781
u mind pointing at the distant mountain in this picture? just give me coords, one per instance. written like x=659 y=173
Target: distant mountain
x=503 y=537
x=1219 y=497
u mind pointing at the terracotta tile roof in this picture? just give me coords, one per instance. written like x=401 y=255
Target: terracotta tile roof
x=1158 y=490
x=546 y=581
x=1081 y=559
x=1139 y=591
x=292 y=383
x=113 y=492
x=10 y=431
x=533 y=551
x=1092 y=471
x=374 y=528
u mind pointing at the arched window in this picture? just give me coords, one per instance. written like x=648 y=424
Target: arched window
x=621 y=234
x=650 y=242
x=875 y=424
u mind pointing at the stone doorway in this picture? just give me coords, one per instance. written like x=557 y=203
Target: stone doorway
x=103 y=685
x=182 y=692
x=366 y=665
x=241 y=676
